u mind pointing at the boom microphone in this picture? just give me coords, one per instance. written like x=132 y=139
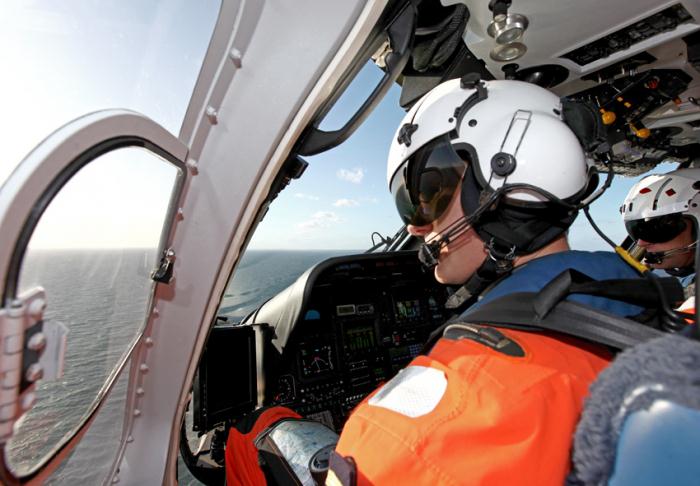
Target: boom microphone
x=656 y=257
x=429 y=252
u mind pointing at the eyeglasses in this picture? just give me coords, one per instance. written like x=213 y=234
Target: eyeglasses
x=424 y=185
x=657 y=230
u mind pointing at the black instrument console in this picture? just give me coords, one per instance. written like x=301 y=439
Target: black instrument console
x=364 y=320
x=343 y=328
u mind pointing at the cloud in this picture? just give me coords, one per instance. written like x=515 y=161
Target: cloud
x=321 y=219
x=346 y=203
x=353 y=175
x=310 y=197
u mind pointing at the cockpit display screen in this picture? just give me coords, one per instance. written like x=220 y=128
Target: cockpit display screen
x=408 y=310
x=359 y=338
x=226 y=380
x=316 y=358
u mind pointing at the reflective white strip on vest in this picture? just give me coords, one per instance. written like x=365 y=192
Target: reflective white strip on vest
x=687 y=305
x=415 y=391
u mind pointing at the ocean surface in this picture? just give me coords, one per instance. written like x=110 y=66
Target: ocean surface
x=101 y=296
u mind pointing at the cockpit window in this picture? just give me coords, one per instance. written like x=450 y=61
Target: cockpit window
x=334 y=209
x=65 y=59
x=94 y=262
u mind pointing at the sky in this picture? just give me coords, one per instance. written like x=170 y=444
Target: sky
x=342 y=198
x=66 y=59
x=72 y=58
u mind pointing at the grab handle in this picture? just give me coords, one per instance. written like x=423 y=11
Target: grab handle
x=400 y=33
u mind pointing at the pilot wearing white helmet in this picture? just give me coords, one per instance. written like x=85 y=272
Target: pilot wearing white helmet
x=491 y=177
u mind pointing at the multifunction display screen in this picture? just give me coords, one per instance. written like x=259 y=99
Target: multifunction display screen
x=408 y=310
x=359 y=338
x=316 y=359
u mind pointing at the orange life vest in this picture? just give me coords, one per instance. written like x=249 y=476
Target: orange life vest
x=482 y=416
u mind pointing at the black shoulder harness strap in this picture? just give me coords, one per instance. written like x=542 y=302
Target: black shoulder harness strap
x=547 y=311
x=516 y=311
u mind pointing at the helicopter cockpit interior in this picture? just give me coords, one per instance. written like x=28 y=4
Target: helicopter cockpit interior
x=195 y=222
x=351 y=322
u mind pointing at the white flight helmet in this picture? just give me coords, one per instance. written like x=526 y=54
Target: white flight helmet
x=662 y=194
x=656 y=208
x=511 y=139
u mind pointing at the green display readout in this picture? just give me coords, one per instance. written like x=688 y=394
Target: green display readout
x=408 y=309
x=359 y=338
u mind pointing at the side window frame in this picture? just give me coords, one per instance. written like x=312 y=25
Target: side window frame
x=23 y=199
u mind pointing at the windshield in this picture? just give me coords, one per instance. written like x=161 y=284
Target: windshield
x=332 y=210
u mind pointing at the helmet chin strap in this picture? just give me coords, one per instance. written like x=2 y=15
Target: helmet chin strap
x=429 y=252
x=496 y=264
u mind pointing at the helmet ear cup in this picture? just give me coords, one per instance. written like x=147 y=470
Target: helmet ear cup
x=526 y=228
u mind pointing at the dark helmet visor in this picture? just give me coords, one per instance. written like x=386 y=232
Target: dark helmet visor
x=656 y=230
x=425 y=183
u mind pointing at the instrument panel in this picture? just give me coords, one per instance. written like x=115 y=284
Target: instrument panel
x=362 y=321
